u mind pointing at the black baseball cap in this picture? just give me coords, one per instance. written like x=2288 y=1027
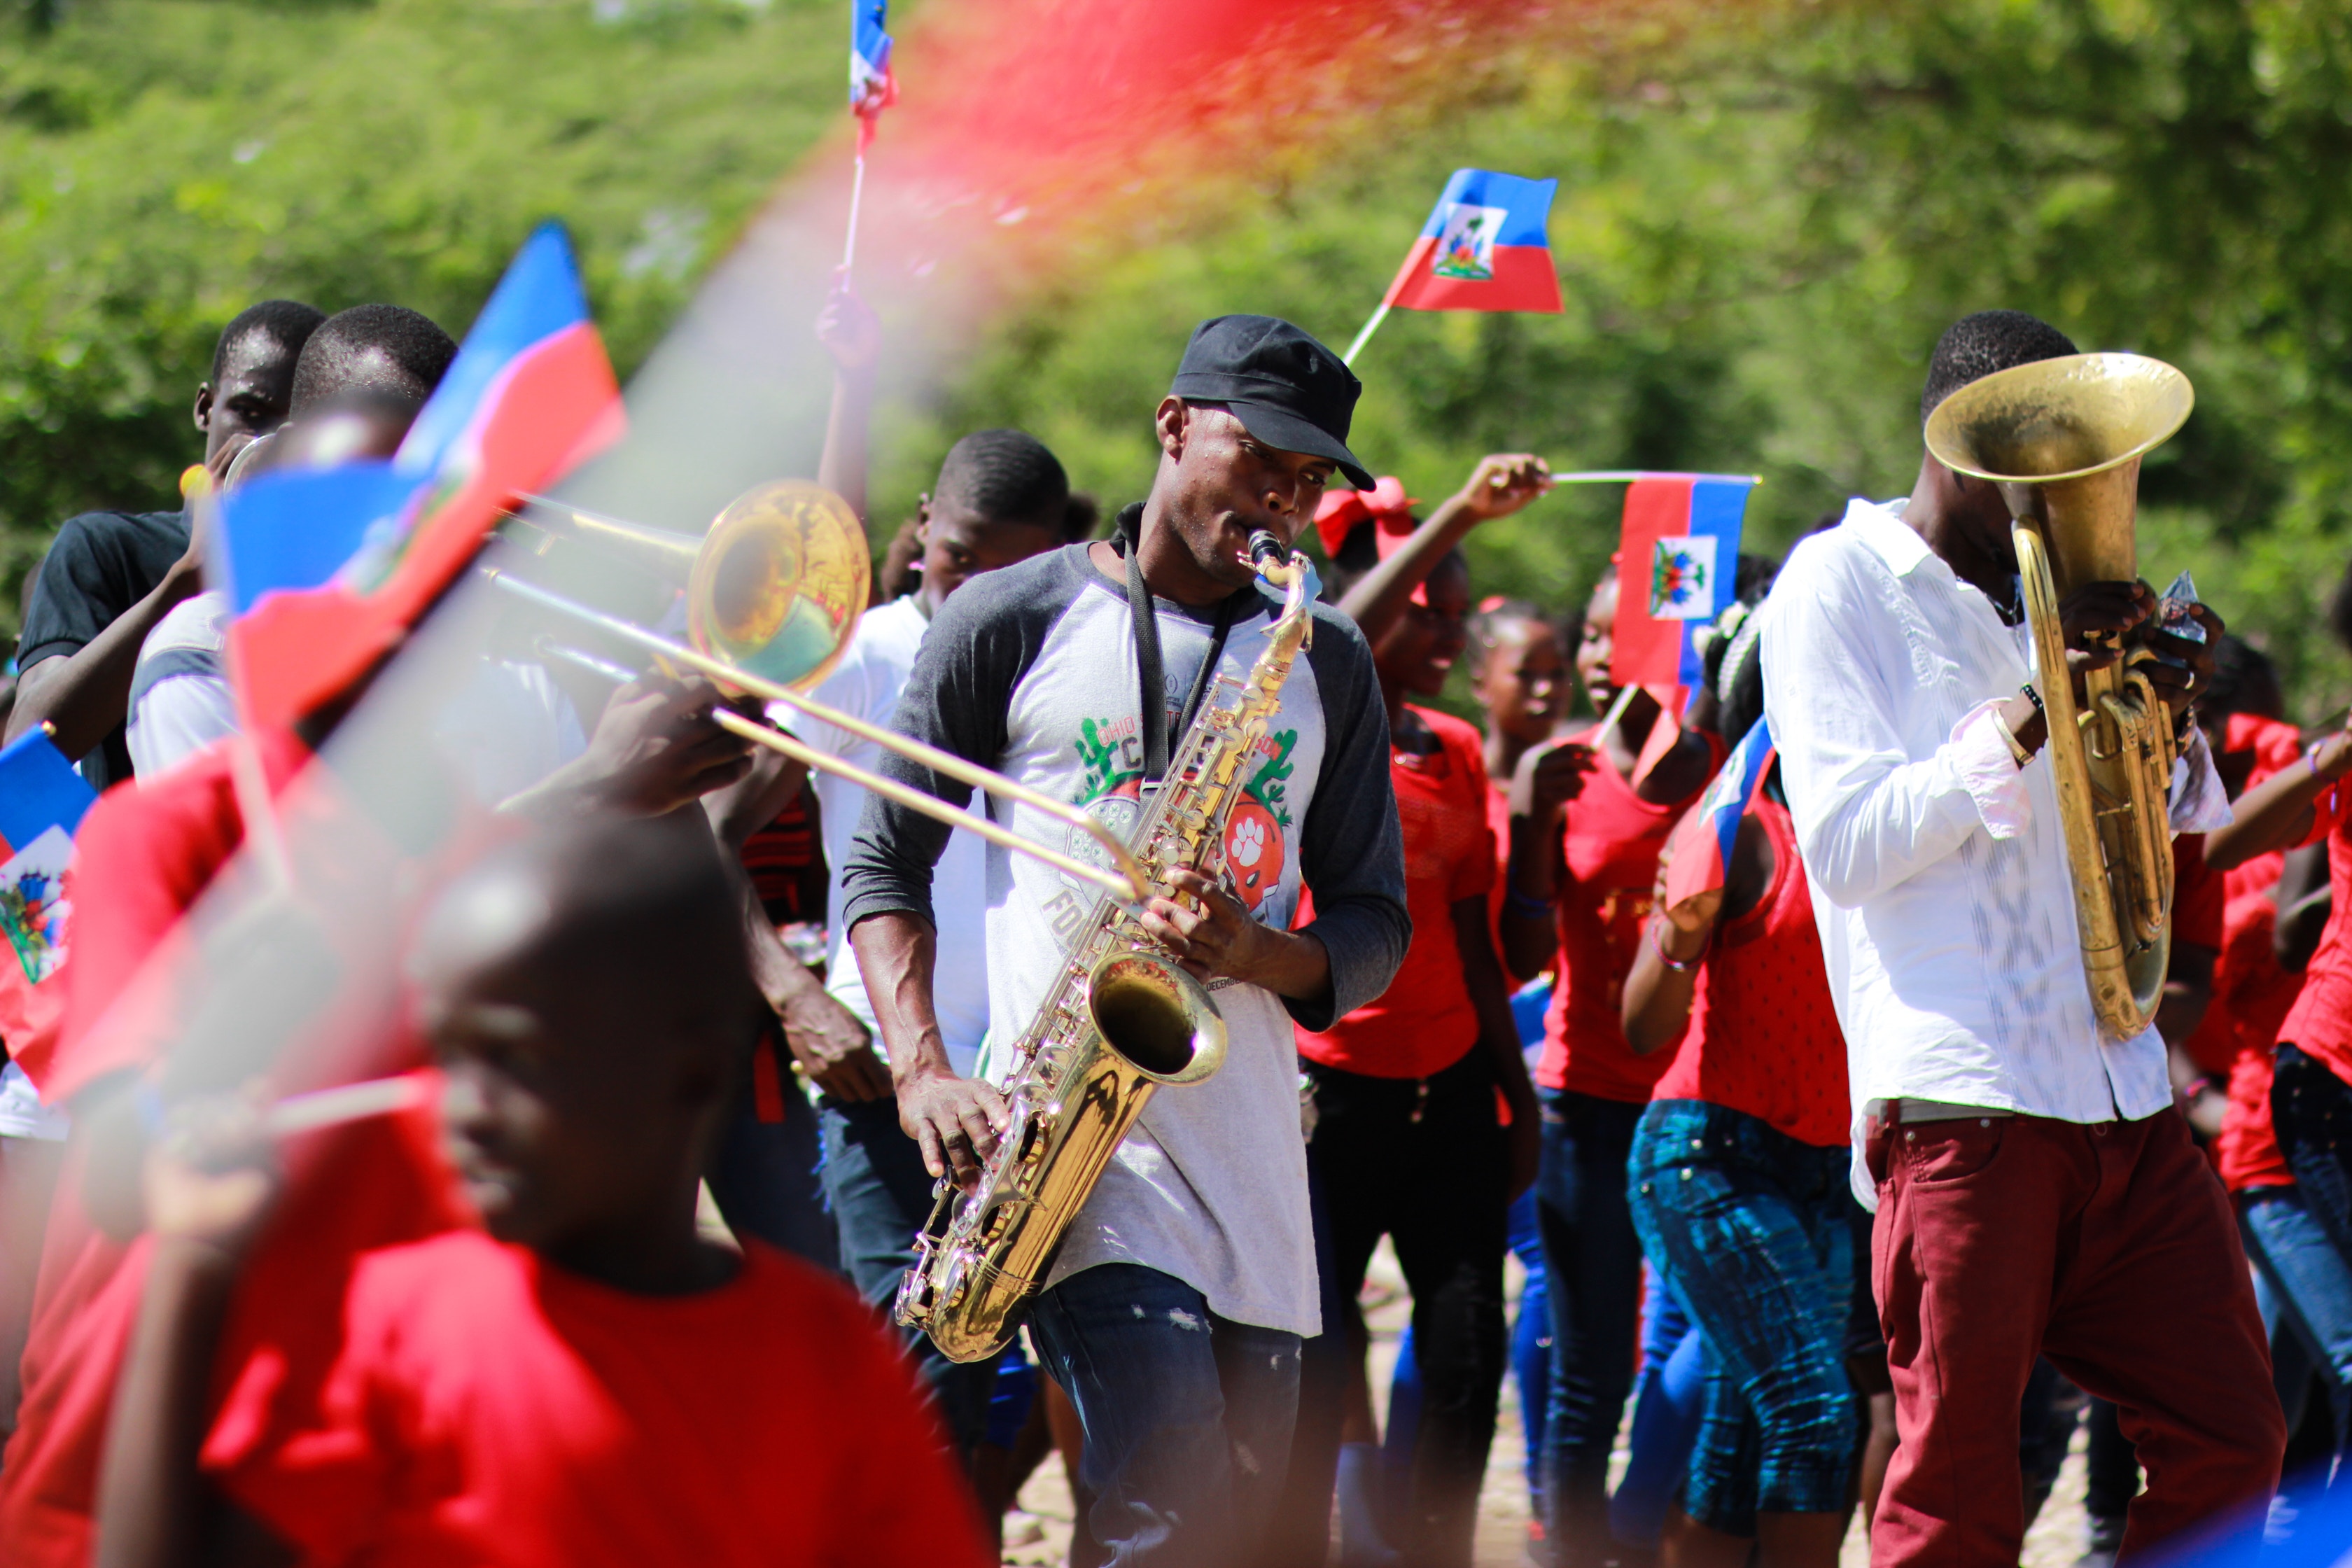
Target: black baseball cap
x=1286 y=388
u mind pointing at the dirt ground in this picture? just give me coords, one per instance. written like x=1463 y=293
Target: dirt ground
x=2055 y=1541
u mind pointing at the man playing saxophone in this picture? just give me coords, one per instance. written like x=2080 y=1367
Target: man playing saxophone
x=2036 y=1193
x=1175 y=1310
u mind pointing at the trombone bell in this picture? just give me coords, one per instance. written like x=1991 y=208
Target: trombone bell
x=780 y=583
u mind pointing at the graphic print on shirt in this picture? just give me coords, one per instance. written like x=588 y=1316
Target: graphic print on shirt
x=1252 y=851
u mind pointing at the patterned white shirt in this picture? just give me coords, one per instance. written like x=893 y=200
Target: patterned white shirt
x=1937 y=866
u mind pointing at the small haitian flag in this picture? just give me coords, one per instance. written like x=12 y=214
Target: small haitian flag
x=42 y=800
x=329 y=568
x=1703 y=840
x=1483 y=248
x=872 y=87
x=1677 y=562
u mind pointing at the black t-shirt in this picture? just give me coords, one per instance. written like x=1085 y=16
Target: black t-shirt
x=101 y=564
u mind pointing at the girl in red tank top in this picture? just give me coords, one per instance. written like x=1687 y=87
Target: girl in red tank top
x=1739 y=1182
x=1586 y=824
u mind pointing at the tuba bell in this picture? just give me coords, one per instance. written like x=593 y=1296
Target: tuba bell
x=2063 y=439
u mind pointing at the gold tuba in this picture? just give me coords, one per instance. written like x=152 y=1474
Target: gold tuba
x=2063 y=439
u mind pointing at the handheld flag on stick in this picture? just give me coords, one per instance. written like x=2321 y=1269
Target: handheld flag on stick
x=872 y=88
x=1677 y=562
x=1703 y=840
x=1483 y=249
x=530 y=395
x=42 y=800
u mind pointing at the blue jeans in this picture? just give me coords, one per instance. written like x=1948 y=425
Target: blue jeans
x=2308 y=1278
x=1669 y=1403
x=1749 y=1227
x=880 y=1193
x=1593 y=1275
x=1187 y=1416
x=764 y=1177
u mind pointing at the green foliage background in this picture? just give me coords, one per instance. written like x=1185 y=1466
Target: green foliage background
x=1767 y=214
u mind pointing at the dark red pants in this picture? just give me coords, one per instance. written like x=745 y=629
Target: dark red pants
x=2108 y=1249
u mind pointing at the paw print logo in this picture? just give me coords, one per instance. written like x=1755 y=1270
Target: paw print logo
x=1247 y=844
x=1253 y=853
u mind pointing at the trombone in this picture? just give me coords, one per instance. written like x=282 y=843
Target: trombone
x=773 y=591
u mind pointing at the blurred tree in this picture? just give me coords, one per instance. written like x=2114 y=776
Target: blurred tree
x=1766 y=215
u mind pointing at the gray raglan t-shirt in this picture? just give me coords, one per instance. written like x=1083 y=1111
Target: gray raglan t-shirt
x=1032 y=670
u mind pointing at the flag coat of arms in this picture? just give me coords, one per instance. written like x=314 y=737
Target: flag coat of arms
x=1677 y=561
x=1704 y=839
x=872 y=86
x=328 y=569
x=42 y=801
x=1483 y=249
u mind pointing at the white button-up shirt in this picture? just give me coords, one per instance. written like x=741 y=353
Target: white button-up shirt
x=1937 y=866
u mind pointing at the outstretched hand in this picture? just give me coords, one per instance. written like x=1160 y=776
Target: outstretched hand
x=1503 y=483
x=848 y=328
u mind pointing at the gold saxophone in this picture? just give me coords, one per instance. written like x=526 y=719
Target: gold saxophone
x=2063 y=439
x=1121 y=1020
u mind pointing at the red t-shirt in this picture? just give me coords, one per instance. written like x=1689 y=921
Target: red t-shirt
x=1763 y=1035
x=1424 y=1023
x=1611 y=837
x=2251 y=995
x=147 y=854
x=2321 y=1020
x=2200 y=918
x=487 y=1407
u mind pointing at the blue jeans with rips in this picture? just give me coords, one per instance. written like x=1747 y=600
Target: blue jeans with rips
x=1749 y=1227
x=1187 y=1416
x=1593 y=1279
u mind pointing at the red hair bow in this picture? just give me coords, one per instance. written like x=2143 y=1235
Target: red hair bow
x=1385 y=504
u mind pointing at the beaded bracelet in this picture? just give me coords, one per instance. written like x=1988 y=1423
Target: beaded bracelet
x=2035 y=697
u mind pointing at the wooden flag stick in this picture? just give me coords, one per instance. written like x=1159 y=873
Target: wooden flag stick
x=1600 y=735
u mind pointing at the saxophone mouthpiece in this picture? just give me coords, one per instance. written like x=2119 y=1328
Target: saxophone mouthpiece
x=1269 y=560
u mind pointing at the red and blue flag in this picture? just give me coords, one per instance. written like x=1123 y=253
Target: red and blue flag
x=328 y=569
x=1677 y=560
x=1704 y=839
x=42 y=801
x=1483 y=249
x=872 y=87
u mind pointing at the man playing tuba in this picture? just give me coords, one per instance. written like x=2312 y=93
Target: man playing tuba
x=2036 y=1193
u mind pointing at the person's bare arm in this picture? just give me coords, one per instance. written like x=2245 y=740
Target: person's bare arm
x=2305 y=899
x=1655 y=1007
x=826 y=1039
x=1498 y=1037
x=956 y=1120
x=1218 y=937
x=755 y=800
x=87 y=693
x=1500 y=485
x=155 y=1508
x=852 y=335
x=1548 y=777
x=2277 y=812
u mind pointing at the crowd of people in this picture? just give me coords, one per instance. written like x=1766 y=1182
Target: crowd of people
x=1831 y=1196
